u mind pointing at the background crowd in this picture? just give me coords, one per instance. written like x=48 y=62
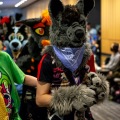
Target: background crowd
x=111 y=66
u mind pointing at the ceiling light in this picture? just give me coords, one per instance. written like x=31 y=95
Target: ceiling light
x=20 y=3
x=1 y=2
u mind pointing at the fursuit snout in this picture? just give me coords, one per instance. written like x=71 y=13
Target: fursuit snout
x=76 y=33
x=15 y=45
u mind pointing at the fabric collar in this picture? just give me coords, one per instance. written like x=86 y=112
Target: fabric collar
x=71 y=58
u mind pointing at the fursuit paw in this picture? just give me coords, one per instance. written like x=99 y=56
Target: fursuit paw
x=98 y=82
x=62 y=100
x=85 y=98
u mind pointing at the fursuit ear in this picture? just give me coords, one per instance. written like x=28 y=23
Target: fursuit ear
x=85 y=6
x=28 y=22
x=22 y=28
x=55 y=7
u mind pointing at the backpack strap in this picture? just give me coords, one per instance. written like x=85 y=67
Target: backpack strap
x=75 y=78
x=69 y=75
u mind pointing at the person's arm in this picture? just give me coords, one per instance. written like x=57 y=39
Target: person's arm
x=30 y=80
x=113 y=62
x=43 y=96
x=45 y=77
x=17 y=74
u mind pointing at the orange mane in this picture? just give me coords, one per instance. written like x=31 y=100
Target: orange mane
x=46 y=18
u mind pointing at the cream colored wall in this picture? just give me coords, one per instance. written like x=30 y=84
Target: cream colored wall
x=34 y=10
x=110 y=24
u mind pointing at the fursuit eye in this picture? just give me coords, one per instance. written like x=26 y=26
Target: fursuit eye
x=11 y=37
x=20 y=37
x=40 y=31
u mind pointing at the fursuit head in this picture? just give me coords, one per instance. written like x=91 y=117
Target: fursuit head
x=38 y=38
x=39 y=29
x=16 y=40
x=67 y=33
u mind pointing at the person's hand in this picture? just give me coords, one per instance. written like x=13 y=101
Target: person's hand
x=103 y=66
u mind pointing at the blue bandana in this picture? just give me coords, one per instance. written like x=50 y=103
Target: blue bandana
x=71 y=58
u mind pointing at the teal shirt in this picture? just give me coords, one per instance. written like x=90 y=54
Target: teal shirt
x=10 y=73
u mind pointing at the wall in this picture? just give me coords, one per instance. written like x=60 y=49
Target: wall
x=95 y=15
x=110 y=24
x=34 y=10
x=9 y=11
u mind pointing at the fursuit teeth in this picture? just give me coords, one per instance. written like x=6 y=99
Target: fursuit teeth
x=94 y=90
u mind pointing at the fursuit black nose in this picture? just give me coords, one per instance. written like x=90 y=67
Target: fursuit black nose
x=15 y=44
x=79 y=33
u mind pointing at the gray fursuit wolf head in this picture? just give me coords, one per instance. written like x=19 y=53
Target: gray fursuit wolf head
x=69 y=22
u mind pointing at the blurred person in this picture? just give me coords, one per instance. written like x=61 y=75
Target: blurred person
x=92 y=37
x=114 y=79
x=91 y=34
x=1 y=45
x=88 y=28
x=10 y=73
x=119 y=48
x=114 y=58
x=98 y=48
x=1 y=33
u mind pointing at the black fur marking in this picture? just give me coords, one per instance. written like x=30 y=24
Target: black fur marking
x=23 y=32
x=92 y=76
x=70 y=15
x=56 y=7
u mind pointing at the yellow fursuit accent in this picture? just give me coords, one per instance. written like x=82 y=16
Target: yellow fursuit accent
x=3 y=111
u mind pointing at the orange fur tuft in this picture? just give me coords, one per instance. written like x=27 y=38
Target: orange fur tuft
x=46 y=18
x=45 y=42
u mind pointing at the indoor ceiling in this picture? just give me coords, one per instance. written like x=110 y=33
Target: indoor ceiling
x=11 y=3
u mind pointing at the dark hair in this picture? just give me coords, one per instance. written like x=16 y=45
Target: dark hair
x=88 y=23
x=115 y=47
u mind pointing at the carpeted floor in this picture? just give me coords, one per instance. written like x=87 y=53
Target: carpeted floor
x=106 y=111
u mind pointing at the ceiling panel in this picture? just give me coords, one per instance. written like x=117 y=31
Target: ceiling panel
x=11 y=3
